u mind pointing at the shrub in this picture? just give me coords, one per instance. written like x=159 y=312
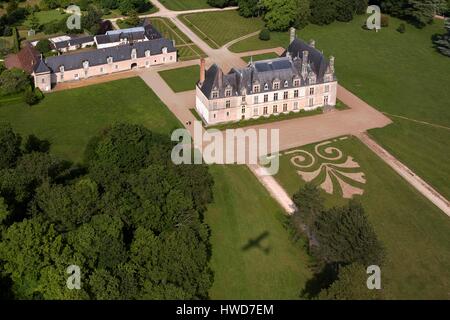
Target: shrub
x=32 y=97
x=44 y=46
x=401 y=28
x=264 y=35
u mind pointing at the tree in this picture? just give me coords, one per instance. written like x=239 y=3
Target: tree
x=44 y=46
x=279 y=14
x=309 y=203
x=303 y=14
x=34 y=144
x=13 y=81
x=91 y=20
x=345 y=236
x=249 y=8
x=344 y=10
x=323 y=11
x=350 y=285
x=218 y=3
x=421 y=12
x=9 y=146
x=34 y=22
x=442 y=42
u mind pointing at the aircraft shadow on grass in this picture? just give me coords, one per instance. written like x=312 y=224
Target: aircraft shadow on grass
x=256 y=243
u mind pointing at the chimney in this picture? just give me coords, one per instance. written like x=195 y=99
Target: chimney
x=292 y=35
x=332 y=64
x=305 y=64
x=312 y=43
x=202 y=71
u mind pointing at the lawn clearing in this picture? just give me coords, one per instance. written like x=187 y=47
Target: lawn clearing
x=47 y=16
x=68 y=119
x=219 y=28
x=259 y=57
x=415 y=233
x=243 y=211
x=181 y=79
x=181 y=5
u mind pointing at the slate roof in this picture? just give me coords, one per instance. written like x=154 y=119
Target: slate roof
x=285 y=69
x=98 y=57
x=73 y=42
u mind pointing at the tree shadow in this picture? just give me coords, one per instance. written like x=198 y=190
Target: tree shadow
x=255 y=243
x=320 y=281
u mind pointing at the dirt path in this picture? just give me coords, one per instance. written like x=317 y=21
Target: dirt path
x=424 y=188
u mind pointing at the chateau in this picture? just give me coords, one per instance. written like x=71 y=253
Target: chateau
x=302 y=79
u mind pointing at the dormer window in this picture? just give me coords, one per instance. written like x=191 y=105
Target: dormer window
x=147 y=53
x=286 y=84
x=164 y=50
x=276 y=85
x=256 y=88
x=133 y=54
x=215 y=94
x=61 y=69
x=296 y=82
x=85 y=64
x=109 y=60
x=228 y=93
x=266 y=87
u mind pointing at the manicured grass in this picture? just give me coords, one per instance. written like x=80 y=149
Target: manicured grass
x=426 y=151
x=181 y=79
x=68 y=119
x=219 y=28
x=47 y=16
x=187 y=50
x=415 y=233
x=259 y=57
x=397 y=73
x=181 y=5
x=243 y=211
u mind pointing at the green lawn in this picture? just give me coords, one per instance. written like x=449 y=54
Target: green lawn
x=416 y=234
x=219 y=28
x=187 y=50
x=68 y=119
x=259 y=57
x=47 y=16
x=242 y=211
x=400 y=74
x=181 y=5
x=181 y=79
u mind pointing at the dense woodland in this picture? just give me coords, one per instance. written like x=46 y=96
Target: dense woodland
x=129 y=218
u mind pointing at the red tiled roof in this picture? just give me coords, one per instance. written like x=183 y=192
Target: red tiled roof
x=26 y=59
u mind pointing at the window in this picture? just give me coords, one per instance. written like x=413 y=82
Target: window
x=215 y=95
x=117 y=66
x=101 y=70
x=243 y=98
x=285 y=107
x=43 y=80
x=327 y=88
x=62 y=77
x=266 y=87
x=243 y=110
x=227 y=93
x=109 y=60
x=265 y=110
x=256 y=88
x=171 y=58
x=311 y=102
x=295 y=93
x=295 y=105
x=275 y=109
x=214 y=105
x=255 y=111
x=286 y=95
x=147 y=63
x=227 y=104
x=255 y=99
x=266 y=98
x=325 y=100
x=311 y=91
x=276 y=85
x=296 y=83
x=286 y=84
x=214 y=115
x=147 y=53
x=228 y=114
x=275 y=96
